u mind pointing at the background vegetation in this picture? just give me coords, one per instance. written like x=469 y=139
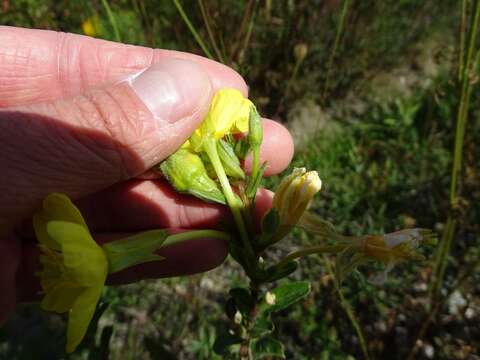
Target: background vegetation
x=371 y=90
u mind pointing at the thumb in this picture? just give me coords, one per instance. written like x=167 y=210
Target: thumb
x=105 y=135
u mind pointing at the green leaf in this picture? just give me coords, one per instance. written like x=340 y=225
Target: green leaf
x=276 y=272
x=224 y=341
x=263 y=326
x=286 y=295
x=242 y=298
x=267 y=347
x=270 y=222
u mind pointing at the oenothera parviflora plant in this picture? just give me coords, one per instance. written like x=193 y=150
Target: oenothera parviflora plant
x=208 y=166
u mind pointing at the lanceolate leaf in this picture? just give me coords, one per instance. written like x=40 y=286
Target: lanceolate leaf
x=267 y=347
x=285 y=295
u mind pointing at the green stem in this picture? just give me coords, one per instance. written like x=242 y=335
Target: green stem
x=235 y=205
x=336 y=43
x=348 y=310
x=190 y=26
x=255 y=161
x=313 y=250
x=461 y=121
x=463 y=30
x=206 y=21
x=112 y=20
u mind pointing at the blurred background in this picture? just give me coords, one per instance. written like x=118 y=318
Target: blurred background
x=370 y=90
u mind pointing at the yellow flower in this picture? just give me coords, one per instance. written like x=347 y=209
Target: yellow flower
x=294 y=195
x=229 y=113
x=74 y=266
x=91 y=26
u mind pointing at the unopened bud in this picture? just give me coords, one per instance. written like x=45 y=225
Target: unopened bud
x=294 y=195
x=300 y=51
x=186 y=173
x=237 y=319
x=255 y=128
x=270 y=298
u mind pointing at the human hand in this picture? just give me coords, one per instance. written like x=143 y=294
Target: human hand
x=88 y=118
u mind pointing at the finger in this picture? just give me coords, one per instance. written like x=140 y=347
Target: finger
x=48 y=65
x=140 y=204
x=277 y=148
x=190 y=257
x=187 y=258
x=105 y=135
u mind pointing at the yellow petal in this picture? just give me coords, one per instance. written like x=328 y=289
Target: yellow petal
x=60 y=299
x=229 y=112
x=80 y=316
x=82 y=256
x=56 y=206
x=60 y=207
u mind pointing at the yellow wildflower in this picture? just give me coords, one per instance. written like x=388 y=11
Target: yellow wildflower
x=229 y=113
x=91 y=26
x=74 y=265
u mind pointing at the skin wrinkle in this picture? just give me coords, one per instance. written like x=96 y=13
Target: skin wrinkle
x=106 y=125
x=61 y=38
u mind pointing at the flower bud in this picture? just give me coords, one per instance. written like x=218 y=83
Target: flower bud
x=270 y=298
x=294 y=195
x=186 y=173
x=255 y=128
x=237 y=318
x=300 y=51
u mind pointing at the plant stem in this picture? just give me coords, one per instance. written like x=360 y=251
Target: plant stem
x=196 y=234
x=463 y=31
x=235 y=204
x=336 y=43
x=255 y=161
x=111 y=19
x=190 y=26
x=461 y=121
x=206 y=21
x=348 y=310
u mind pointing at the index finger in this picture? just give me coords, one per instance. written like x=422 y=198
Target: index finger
x=48 y=65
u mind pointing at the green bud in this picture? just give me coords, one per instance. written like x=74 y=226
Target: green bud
x=255 y=129
x=186 y=173
x=229 y=159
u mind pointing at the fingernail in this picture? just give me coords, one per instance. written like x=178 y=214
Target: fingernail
x=172 y=89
